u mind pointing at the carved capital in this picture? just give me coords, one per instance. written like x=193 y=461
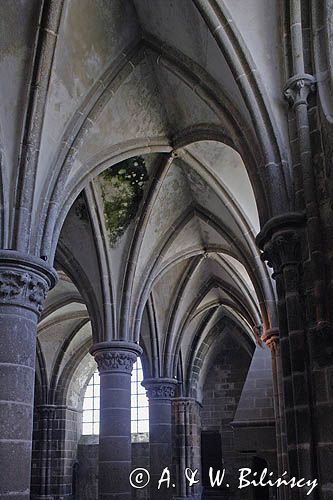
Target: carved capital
x=298 y=88
x=115 y=361
x=115 y=356
x=185 y=403
x=46 y=411
x=271 y=338
x=283 y=249
x=24 y=281
x=160 y=388
x=280 y=240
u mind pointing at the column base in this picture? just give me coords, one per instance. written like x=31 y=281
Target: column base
x=188 y=497
x=42 y=497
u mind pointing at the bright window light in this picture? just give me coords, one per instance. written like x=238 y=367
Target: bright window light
x=139 y=404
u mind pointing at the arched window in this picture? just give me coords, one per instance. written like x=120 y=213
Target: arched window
x=139 y=405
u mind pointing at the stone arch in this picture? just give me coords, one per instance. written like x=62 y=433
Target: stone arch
x=224 y=30
x=322 y=20
x=73 y=269
x=57 y=212
x=151 y=276
x=203 y=348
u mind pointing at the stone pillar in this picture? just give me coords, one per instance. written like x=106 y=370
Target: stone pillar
x=282 y=244
x=187 y=441
x=24 y=282
x=115 y=361
x=42 y=462
x=271 y=338
x=160 y=393
x=54 y=451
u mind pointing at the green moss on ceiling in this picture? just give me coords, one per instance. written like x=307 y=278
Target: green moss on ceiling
x=122 y=191
x=81 y=208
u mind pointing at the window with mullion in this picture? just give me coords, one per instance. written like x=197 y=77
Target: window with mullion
x=139 y=404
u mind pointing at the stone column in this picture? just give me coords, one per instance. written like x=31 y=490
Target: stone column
x=115 y=361
x=160 y=393
x=42 y=462
x=24 y=282
x=282 y=244
x=187 y=431
x=271 y=337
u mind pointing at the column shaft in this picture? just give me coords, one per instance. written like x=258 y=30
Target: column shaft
x=160 y=393
x=271 y=338
x=283 y=251
x=115 y=436
x=23 y=286
x=115 y=362
x=187 y=430
x=17 y=376
x=42 y=461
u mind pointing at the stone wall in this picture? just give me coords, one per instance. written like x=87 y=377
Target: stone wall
x=87 y=468
x=55 y=438
x=140 y=458
x=238 y=404
x=254 y=422
x=222 y=391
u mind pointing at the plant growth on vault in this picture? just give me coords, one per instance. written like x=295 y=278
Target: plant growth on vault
x=122 y=190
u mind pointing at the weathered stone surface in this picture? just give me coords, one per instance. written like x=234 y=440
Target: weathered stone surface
x=24 y=283
x=115 y=362
x=143 y=145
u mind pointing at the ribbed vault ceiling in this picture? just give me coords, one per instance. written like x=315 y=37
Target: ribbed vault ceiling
x=150 y=78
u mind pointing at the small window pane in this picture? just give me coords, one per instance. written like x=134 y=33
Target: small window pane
x=133 y=426
x=142 y=400
x=143 y=426
x=142 y=413
x=89 y=391
x=88 y=416
x=88 y=403
x=87 y=428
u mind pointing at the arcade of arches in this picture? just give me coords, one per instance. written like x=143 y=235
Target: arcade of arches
x=165 y=194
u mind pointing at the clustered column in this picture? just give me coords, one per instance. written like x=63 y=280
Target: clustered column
x=282 y=249
x=160 y=393
x=271 y=337
x=115 y=362
x=40 y=477
x=24 y=282
x=187 y=425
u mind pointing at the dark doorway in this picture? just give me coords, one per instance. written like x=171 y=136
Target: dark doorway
x=75 y=473
x=211 y=455
x=259 y=492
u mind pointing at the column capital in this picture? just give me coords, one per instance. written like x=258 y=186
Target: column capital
x=115 y=356
x=280 y=240
x=283 y=249
x=160 y=388
x=298 y=88
x=271 y=337
x=46 y=411
x=186 y=402
x=24 y=280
